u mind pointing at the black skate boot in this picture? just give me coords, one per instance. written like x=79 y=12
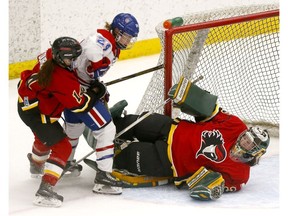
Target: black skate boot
x=36 y=169
x=72 y=169
x=105 y=183
x=45 y=196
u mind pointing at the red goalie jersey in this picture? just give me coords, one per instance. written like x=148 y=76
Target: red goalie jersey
x=208 y=144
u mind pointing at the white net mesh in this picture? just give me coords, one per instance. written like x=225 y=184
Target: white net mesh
x=239 y=62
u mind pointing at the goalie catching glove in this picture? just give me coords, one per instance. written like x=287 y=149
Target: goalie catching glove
x=206 y=184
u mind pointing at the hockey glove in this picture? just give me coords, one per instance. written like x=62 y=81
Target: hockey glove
x=98 y=69
x=106 y=97
x=99 y=89
x=206 y=184
x=192 y=99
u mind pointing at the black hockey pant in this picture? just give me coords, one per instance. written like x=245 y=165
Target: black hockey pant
x=149 y=155
x=48 y=133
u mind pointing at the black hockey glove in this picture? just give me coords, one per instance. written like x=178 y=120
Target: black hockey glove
x=99 y=89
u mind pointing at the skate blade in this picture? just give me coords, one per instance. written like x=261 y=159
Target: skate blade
x=47 y=202
x=107 y=189
x=36 y=176
x=74 y=173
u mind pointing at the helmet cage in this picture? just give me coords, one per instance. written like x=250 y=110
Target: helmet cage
x=250 y=144
x=124 y=40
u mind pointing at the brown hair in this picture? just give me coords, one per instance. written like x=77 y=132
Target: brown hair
x=108 y=26
x=45 y=73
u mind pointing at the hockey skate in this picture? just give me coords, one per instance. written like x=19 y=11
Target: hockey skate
x=46 y=197
x=105 y=183
x=72 y=169
x=36 y=169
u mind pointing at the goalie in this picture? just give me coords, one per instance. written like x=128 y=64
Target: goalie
x=211 y=155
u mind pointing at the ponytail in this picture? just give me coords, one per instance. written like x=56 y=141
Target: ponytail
x=45 y=73
x=108 y=26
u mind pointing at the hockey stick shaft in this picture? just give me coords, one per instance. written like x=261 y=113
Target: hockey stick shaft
x=126 y=129
x=195 y=53
x=125 y=145
x=141 y=118
x=190 y=66
x=130 y=126
x=135 y=75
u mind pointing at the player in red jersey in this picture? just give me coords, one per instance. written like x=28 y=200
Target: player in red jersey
x=215 y=148
x=44 y=92
x=178 y=148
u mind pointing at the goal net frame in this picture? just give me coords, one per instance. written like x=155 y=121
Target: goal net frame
x=167 y=55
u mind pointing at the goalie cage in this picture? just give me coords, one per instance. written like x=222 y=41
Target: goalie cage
x=239 y=61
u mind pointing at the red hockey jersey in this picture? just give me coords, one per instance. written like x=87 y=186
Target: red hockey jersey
x=63 y=92
x=193 y=145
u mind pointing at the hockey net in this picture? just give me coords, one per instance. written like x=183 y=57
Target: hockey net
x=239 y=61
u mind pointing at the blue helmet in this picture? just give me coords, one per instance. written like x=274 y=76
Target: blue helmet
x=125 y=29
x=126 y=23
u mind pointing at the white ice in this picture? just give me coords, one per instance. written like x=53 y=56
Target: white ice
x=260 y=195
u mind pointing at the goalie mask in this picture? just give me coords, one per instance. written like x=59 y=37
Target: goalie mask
x=250 y=146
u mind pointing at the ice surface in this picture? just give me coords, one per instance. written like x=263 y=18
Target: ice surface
x=260 y=195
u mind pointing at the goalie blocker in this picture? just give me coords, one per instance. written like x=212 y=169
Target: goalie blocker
x=191 y=99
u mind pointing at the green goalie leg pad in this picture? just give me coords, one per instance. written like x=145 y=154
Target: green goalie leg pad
x=131 y=180
x=138 y=181
x=191 y=99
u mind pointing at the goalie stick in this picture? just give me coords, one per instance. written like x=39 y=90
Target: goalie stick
x=122 y=132
x=125 y=145
x=194 y=55
x=193 y=59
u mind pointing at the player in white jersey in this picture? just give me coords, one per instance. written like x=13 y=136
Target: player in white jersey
x=101 y=50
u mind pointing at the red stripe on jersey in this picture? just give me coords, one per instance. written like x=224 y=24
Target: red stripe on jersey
x=105 y=148
x=98 y=119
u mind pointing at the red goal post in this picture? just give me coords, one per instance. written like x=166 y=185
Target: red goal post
x=239 y=61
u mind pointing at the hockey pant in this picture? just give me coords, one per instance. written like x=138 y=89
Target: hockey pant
x=145 y=158
x=99 y=120
x=152 y=128
x=51 y=144
x=149 y=155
